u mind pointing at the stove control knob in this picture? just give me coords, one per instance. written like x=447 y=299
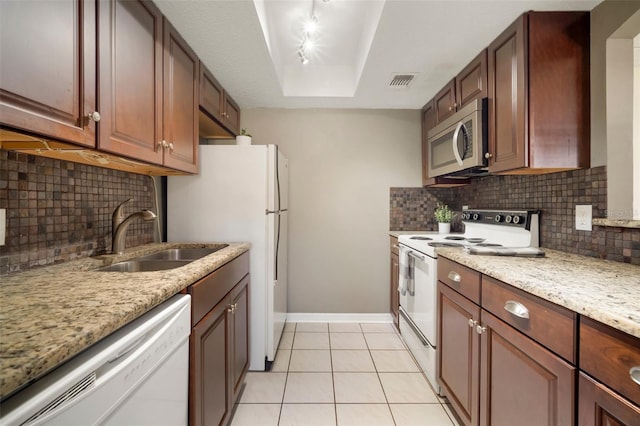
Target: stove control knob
x=516 y=219
x=464 y=216
x=508 y=218
x=498 y=218
x=476 y=216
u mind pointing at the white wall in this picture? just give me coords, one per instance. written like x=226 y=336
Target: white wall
x=341 y=166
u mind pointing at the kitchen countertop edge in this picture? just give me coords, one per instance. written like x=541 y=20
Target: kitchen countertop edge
x=606 y=291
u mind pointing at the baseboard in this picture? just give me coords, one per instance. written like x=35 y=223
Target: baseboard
x=313 y=317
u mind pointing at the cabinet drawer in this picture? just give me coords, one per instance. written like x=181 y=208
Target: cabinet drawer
x=211 y=289
x=460 y=278
x=609 y=355
x=393 y=245
x=549 y=324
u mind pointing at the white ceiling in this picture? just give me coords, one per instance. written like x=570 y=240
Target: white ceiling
x=433 y=38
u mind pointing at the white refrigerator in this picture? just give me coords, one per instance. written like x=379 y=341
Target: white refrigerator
x=240 y=195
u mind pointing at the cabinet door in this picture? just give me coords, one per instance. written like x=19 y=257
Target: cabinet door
x=394 y=296
x=211 y=94
x=130 y=54
x=521 y=381
x=508 y=98
x=209 y=397
x=48 y=68
x=180 y=102
x=458 y=356
x=445 y=102
x=471 y=83
x=428 y=123
x=600 y=406
x=239 y=354
x=232 y=114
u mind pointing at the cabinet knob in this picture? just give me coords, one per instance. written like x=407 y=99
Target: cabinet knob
x=159 y=146
x=488 y=155
x=232 y=308
x=480 y=329
x=94 y=116
x=472 y=323
x=635 y=374
x=170 y=146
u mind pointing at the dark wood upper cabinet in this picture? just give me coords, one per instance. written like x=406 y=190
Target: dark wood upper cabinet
x=471 y=82
x=428 y=123
x=131 y=52
x=539 y=94
x=445 y=102
x=48 y=68
x=180 y=125
x=217 y=103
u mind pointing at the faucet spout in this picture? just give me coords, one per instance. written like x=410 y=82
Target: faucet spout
x=120 y=229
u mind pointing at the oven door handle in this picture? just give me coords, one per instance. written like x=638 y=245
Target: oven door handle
x=416 y=255
x=415 y=328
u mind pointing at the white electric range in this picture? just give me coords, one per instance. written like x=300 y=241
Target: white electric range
x=504 y=232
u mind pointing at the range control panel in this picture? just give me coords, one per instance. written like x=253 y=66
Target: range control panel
x=516 y=218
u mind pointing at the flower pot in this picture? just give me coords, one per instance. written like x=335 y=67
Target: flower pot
x=444 y=228
x=243 y=140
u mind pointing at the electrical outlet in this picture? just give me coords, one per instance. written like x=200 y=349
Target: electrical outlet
x=3 y=225
x=583 y=217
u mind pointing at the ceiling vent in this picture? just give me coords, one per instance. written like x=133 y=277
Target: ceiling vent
x=402 y=81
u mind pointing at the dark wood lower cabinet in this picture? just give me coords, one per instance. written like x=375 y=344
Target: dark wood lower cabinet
x=394 y=297
x=600 y=406
x=521 y=382
x=494 y=375
x=219 y=342
x=458 y=354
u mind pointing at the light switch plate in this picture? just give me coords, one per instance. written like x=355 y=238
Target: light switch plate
x=3 y=225
x=583 y=217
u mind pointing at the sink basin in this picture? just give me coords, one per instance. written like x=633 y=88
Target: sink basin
x=144 y=265
x=184 y=253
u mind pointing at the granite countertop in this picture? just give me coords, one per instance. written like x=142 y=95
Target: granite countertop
x=398 y=233
x=605 y=291
x=50 y=314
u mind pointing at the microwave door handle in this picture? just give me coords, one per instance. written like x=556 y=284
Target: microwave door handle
x=455 y=143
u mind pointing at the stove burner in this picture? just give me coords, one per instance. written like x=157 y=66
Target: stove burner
x=420 y=238
x=444 y=244
x=475 y=240
x=453 y=237
x=488 y=245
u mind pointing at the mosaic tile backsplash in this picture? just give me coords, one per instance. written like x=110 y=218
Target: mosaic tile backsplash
x=556 y=195
x=58 y=210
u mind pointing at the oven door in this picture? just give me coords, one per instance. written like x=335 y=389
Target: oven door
x=419 y=303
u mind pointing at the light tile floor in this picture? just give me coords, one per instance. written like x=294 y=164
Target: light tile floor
x=341 y=374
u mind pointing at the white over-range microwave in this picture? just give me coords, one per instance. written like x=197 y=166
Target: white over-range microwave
x=458 y=145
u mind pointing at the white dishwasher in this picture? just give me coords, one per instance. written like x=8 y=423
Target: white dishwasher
x=139 y=375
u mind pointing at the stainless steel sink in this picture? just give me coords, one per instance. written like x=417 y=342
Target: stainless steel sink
x=184 y=253
x=144 y=265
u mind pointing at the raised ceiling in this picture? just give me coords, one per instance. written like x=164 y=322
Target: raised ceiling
x=251 y=46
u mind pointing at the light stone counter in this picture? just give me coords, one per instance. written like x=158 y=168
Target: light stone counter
x=605 y=291
x=398 y=233
x=50 y=314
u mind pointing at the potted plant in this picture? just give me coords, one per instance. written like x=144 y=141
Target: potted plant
x=244 y=138
x=443 y=215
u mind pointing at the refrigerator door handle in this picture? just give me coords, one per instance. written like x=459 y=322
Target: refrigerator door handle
x=277 y=250
x=271 y=211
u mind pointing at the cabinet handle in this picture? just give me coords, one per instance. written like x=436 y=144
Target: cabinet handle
x=480 y=329
x=171 y=147
x=488 y=155
x=472 y=323
x=232 y=308
x=635 y=374
x=517 y=309
x=454 y=276
x=159 y=146
x=95 y=116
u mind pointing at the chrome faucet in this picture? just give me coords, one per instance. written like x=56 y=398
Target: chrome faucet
x=119 y=225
